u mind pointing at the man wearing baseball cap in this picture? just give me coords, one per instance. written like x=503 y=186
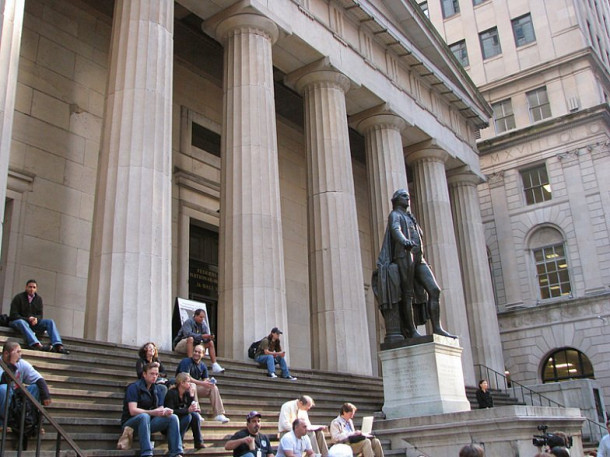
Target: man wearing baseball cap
x=270 y=352
x=248 y=442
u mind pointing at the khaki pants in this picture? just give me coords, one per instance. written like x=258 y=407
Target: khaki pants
x=214 y=395
x=370 y=447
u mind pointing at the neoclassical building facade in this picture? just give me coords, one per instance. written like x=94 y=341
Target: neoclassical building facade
x=240 y=153
x=546 y=156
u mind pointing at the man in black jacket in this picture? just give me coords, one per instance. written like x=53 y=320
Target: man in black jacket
x=26 y=318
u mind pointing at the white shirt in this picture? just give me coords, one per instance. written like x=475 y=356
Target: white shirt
x=604 y=447
x=290 y=442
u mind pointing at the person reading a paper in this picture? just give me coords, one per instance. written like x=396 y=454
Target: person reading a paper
x=342 y=430
x=297 y=409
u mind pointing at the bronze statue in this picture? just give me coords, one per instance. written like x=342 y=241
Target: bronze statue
x=404 y=285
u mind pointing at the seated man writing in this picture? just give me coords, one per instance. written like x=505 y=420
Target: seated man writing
x=195 y=331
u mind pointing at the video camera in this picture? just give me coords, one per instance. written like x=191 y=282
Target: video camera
x=549 y=439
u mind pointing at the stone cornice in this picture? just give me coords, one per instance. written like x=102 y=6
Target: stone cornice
x=553 y=125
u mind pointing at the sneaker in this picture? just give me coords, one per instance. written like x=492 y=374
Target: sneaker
x=290 y=378
x=222 y=419
x=216 y=368
x=272 y=375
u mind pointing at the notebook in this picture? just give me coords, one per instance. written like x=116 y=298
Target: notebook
x=367 y=425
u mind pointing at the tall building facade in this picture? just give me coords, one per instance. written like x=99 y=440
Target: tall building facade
x=239 y=153
x=544 y=68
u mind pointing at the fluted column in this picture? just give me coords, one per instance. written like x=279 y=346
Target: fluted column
x=340 y=330
x=11 y=21
x=385 y=166
x=129 y=288
x=433 y=209
x=252 y=289
x=476 y=277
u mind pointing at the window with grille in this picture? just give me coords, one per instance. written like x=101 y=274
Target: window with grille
x=460 y=52
x=504 y=118
x=490 y=43
x=523 y=30
x=536 y=186
x=565 y=364
x=450 y=8
x=552 y=271
x=538 y=102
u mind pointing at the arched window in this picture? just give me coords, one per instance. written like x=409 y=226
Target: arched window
x=565 y=364
x=548 y=249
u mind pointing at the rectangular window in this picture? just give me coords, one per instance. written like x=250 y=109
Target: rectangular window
x=536 y=186
x=490 y=43
x=450 y=8
x=523 y=29
x=504 y=118
x=539 y=105
x=205 y=139
x=552 y=271
x=424 y=8
x=460 y=52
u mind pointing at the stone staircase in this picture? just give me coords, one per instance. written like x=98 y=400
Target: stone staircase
x=87 y=389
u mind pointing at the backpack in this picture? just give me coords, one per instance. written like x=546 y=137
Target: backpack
x=32 y=415
x=253 y=347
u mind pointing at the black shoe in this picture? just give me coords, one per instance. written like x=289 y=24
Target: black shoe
x=46 y=348
x=60 y=349
x=199 y=446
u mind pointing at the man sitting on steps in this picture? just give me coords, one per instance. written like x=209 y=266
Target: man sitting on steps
x=195 y=331
x=205 y=386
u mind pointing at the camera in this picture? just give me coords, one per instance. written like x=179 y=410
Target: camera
x=551 y=440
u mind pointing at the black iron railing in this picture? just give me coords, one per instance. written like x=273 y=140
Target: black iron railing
x=61 y=433
x=590 y=429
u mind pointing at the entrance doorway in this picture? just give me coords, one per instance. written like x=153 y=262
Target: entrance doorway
x=203 y=270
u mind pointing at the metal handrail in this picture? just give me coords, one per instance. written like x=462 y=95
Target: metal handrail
x=590 y=425
x=61 y=433
x=524 y=390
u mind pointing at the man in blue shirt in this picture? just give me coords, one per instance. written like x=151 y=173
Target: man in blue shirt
x=25 y=372
x=195 y=331
x=205 y=387
x=144 y=413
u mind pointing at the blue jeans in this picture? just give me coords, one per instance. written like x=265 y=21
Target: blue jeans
x=33 y=389
x=270 y=361
x=194 y=420
x=144 y=424
x=29 y=333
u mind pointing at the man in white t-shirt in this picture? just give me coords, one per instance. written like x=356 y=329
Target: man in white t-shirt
x=296 y=443
x=297 y=409
x=604 y=444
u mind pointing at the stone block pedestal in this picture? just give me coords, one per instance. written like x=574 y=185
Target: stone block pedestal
x=423 y=377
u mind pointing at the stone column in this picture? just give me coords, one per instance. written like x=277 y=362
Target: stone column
x=340 y=335
x=11 y=21
x=433 y=209
x=252 y=289
x=476 y=277
x=129 y=297
x=385 y=166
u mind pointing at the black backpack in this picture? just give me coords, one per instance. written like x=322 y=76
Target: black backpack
x=253 y=347
x=32 y=415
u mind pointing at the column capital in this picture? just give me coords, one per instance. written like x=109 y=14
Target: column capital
x=221 y=27
x=427 y=150
x=321 y=72
x=463 y=176
x=377 y=117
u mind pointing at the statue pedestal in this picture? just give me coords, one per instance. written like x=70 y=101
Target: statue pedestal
x=422 y=377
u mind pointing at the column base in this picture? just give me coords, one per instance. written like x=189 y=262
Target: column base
x=423 y=378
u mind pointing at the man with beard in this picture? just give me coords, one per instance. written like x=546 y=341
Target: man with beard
x=248 y=442
x=205 y=386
